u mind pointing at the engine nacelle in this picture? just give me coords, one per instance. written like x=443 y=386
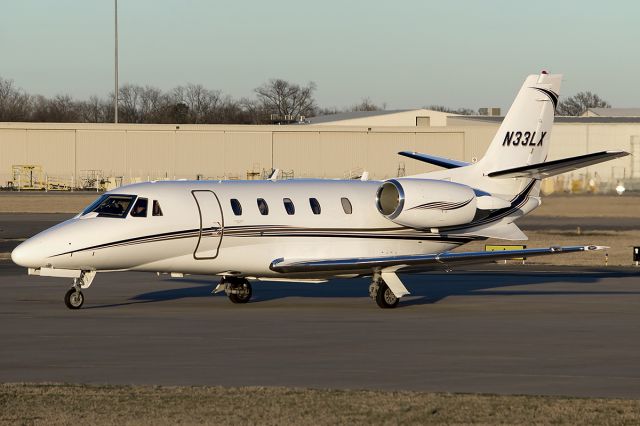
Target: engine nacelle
x=426 y=203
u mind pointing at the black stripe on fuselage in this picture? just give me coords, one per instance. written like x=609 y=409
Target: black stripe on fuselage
x=281 y=231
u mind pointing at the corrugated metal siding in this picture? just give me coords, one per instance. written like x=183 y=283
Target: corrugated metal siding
x=150 y=155
x=199 y=153
x=383 y=148
x=294 y=151
x=443 y=144
x=352 y=154
x=101 y=150
x=246 y=151
x=13 y=150
x=217 y=151
x=53 y=150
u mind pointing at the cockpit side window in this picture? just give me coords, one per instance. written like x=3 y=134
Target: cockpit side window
x=111 y=205
x=140 y=208
x=95 y=204
x=157 y=211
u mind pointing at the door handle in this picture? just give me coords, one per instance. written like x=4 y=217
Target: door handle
x=218 y=228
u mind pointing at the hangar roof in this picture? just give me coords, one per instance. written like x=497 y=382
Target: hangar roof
x=612 y=112
x=399 y=117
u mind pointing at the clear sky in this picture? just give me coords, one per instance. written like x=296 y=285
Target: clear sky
x=405 y=53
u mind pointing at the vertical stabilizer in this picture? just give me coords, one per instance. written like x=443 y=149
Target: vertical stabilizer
x=523 y=138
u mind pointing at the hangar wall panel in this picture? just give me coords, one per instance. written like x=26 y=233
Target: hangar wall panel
x=199 y=153
x=53 y=150
x=477 y=140
x=101 y=150
x=245 y=152
x=150 y=155
x=342 y=154
x=384 y=161
x=13 y=151
x=442 y=144
x=296 y=151
x=217 y=151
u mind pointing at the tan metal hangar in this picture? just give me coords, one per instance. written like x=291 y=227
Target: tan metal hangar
x=332 y=147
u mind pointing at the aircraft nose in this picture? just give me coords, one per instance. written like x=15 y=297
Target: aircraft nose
x=26 y=255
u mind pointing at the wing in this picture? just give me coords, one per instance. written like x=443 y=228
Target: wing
x=415 y=263
x=432 y=159
x=556 y=167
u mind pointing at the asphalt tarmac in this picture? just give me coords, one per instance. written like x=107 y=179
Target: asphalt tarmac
x=504 y=329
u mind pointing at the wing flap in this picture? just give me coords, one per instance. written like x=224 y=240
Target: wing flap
x=556 y=167
x=415 y=262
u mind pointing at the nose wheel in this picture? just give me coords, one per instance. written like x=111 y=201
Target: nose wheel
x=74 y=298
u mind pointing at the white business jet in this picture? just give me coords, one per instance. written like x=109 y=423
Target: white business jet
x=314 y=230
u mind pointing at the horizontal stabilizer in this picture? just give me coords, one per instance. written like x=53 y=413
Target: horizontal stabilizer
x=416 y=262
x=436 y=161
x=556 y=167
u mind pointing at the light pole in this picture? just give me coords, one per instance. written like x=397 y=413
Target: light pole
x=115 y=102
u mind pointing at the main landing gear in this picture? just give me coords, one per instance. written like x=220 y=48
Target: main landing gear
x=382 y=294
x=380 y=289
x=237 y=289
x=74 y=298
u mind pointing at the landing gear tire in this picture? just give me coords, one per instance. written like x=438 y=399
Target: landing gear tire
x=239 y=292
x=385 y=297
x=73 y=298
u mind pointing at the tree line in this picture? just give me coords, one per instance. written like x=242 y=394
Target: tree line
x=276 y=100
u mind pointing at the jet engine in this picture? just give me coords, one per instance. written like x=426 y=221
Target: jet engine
x=426 y=203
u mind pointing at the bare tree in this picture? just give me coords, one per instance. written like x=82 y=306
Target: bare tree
x=142 y=104
x=59 y=109
x=202 y=104
x=15 y=104
x=579 y=104
x=96 y=110
x=153 y=105
x=366 y=105
x=284 y=98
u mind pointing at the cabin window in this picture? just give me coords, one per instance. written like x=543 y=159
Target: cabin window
x=157 y=211
x=346 y=205
x=315 y=205
x=140 y=208
x=236 y=207
x=111 y=205
x=288 y=206
x=263 y=207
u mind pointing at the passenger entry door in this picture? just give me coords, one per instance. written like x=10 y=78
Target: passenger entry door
x=211 y=225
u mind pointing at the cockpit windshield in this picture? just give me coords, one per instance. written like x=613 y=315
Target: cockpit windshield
x=111 y=205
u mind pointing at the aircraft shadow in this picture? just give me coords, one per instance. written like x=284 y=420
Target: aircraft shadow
x=425 y=288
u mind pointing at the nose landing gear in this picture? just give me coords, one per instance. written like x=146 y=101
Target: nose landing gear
x=73 y=298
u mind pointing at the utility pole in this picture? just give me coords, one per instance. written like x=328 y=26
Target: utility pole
x=115 y=102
